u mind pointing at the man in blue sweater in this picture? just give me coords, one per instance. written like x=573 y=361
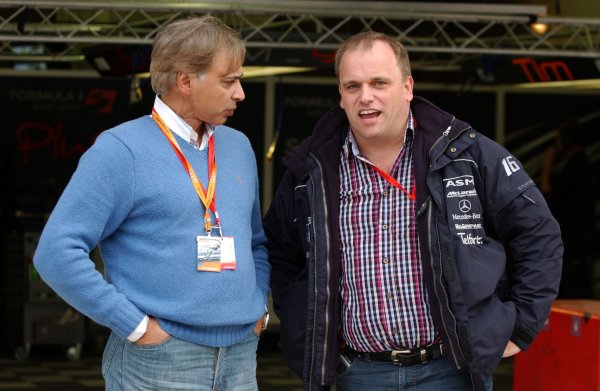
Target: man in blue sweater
x=186 y=272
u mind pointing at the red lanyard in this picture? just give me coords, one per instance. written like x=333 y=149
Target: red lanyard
x=412 y=195
x=207 y=197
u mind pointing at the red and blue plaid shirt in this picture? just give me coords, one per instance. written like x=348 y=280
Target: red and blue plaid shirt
x=385 y=305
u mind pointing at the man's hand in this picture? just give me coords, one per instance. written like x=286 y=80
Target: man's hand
x=511 y=349
x=153 y=335
x=258 y=326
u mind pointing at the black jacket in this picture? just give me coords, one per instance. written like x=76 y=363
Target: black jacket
x=490 y=248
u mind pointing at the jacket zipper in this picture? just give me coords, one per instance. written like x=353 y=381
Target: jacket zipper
x=328 y=293
x=437 y=293
x=445 y=133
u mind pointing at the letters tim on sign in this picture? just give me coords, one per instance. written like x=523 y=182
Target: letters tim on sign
x=544 y=70
x=534 y=70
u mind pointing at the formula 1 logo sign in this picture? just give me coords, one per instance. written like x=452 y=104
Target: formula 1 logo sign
x=49 y=123
x=101 y=100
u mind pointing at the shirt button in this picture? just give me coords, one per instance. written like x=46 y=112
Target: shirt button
x=385 y=193
x=384 y=226
x=394 y=331
x=389 y=295
x=386 y=260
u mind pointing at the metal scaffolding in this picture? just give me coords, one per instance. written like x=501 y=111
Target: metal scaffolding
x=436 y=33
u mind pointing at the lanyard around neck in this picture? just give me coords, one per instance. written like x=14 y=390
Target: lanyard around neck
x=206 y=196
x=391 y=180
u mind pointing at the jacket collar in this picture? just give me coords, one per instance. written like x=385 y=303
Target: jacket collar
x=325 y=143
x=329 y=133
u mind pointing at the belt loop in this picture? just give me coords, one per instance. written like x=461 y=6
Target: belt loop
x=423 y=353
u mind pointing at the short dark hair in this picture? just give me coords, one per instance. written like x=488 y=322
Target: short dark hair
x=366 y=40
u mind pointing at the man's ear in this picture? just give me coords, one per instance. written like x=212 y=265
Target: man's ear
x=408 y=87
x=184 y=82
x=340 y=91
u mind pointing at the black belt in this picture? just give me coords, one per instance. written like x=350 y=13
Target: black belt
x=401 y=357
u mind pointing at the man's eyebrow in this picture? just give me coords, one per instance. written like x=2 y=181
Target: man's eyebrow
x=375 y=78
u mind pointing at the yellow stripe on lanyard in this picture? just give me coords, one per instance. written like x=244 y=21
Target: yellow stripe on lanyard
x=207 y=197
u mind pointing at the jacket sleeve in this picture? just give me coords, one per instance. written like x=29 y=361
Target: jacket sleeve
x=283 y=228
x=534 y=269
x=287 y=225
x=523 y=222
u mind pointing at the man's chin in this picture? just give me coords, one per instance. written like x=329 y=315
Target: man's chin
x=221 y=121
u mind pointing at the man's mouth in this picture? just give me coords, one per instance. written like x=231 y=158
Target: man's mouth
x=368 y=114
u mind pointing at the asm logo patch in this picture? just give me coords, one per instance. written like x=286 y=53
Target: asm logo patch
x=465 y=180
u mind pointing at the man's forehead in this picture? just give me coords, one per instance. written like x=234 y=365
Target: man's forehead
x=225 y=65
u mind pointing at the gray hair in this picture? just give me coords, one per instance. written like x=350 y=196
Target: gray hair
x=190 y=45
x=365 y=40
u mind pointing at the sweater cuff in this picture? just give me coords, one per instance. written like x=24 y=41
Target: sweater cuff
x=139 y=330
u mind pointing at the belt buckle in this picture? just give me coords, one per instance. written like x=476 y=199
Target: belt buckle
x=396 y=353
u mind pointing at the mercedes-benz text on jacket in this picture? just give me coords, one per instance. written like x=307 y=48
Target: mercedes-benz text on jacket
x=491 y=250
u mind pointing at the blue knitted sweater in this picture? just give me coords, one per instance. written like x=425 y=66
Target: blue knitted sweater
x=131 y=195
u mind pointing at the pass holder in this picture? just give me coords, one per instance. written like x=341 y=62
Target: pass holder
x=216 y=253
x=228 y=261
x=209 y=253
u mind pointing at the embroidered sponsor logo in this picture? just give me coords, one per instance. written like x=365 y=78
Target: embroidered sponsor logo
x=461 y=193
x=469 y=239
x=467 y=216
x=526 y=184
x=464 y=206
x=460 y=181
x=467 y=226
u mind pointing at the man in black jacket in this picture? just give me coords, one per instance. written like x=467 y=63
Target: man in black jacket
x=406 y=248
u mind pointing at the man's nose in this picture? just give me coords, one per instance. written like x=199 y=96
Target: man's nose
x=238 y=94
x=366 y=94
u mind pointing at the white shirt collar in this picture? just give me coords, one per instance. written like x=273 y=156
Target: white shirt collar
x=181 y=128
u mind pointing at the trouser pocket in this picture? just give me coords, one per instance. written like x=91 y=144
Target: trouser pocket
x=109 y=352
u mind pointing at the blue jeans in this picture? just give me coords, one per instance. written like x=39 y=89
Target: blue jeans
x=435 y=375
x=179 y=365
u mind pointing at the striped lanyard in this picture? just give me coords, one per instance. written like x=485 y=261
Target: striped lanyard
x=206 y=196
